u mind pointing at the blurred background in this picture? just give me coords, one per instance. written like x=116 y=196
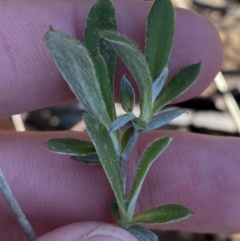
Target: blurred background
x=214 y=112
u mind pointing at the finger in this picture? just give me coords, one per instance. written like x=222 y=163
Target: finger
x=88 y=231
x=200 y=172
x=29 y=78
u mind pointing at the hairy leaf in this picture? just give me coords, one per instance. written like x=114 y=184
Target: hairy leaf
x=77 y=68
x=127 y=95
x=107 y=155
x=105 y=85
x=159 y=83
x=128 y=141
x=101 y=17
x=137 y=65
x=180 y=83
x=160 y=32
x=141 y=233
x=70 y=146
x=90 y=159
x=163 y=118
x=121 y=121
x=151 y=153
x=141 y=124
x=162 y=214
x=114 y=211
x=126 y=137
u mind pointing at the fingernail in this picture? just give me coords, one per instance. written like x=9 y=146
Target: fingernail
x=109 y=233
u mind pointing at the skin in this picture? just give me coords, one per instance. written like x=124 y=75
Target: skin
x=198 y=171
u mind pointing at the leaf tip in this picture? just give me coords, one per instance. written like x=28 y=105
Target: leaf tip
x=168 y=138
x=47 y=144
x=50 y=30
x=198 y=65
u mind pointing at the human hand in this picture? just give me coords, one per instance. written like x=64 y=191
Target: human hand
x=52 y=190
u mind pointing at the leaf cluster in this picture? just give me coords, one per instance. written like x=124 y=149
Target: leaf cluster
x=89 y=68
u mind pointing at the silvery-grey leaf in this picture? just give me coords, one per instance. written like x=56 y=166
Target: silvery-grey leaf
x=163 y=118
x=121 y=121
x=141 y=233
x=159 y=83
x=77 y=68
x=138 y=67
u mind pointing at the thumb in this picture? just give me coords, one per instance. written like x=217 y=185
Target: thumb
x=88 y=231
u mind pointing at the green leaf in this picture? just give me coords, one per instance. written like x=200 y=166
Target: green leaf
x=101 y=17
x=137 y=65
x=121 y=121
x=163 y=118
x=70 y=146
x=151 y=153
x=140 y=124
x=160 y=33
x=159 y=83
x=162 y=214
x=105 y=85
x=127 y=95
x=126 y=138
x=77 y=68
x=91 y=159
x=107 y=155
x=141 y=233
x=179 y=84
x=128 y=141
x=114 y=211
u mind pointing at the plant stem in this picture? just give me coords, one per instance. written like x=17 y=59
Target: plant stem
x=16 y=209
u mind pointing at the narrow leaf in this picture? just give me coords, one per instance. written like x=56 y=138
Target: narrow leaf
x=141 y=124
x=151 y=153
x=159 y=83
x=70 y=146
x=163 y=118
x=114 y=211
x=77 y=68
x=105 y=85
x=107 y=155
x=126 y=138
x=137 y=65
x=141 y=233
x=91 y=159
x=128 y=141
x=101 y=17
x=121 y=121
x=160 y=32
x=127 y=95
x=162 y=214
x=179 y=84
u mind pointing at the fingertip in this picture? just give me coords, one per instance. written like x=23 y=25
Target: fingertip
x=88 y=231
